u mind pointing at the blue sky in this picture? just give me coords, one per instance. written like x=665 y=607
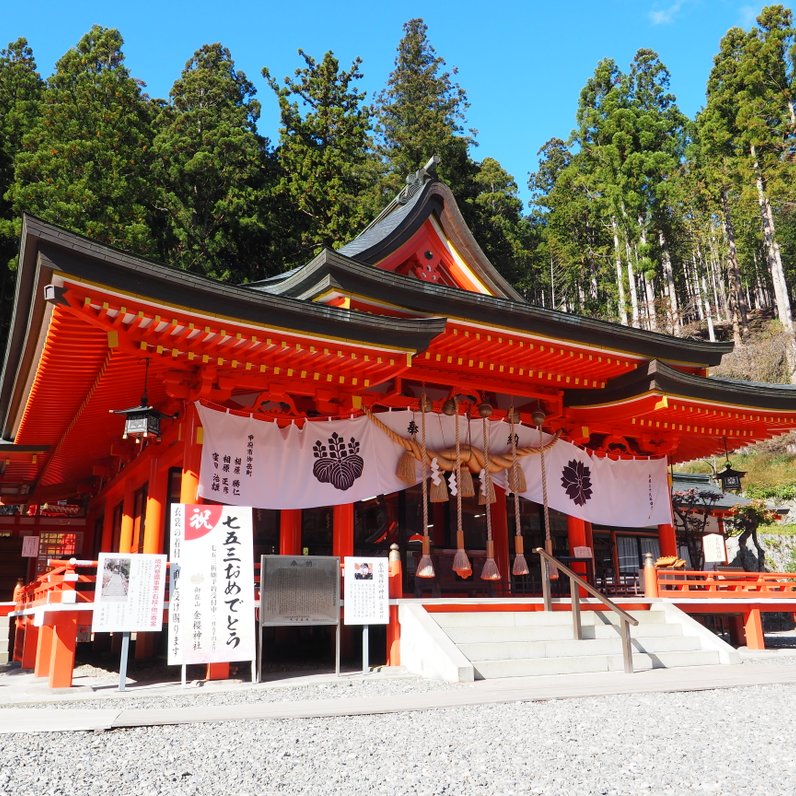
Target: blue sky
x=522 y=63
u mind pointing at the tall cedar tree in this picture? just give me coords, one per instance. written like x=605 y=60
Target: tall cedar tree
x=327 y=170
x=500 y=228
x=211 y=168
x=421 y=113
x=20 y=91
x=85 y=164
x=748 y=125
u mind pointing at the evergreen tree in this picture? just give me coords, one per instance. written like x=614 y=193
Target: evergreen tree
x=20 y=91
x=327 y=170
x=748 y=129
x=212 y=168
x=85 y=164
x=421 y=113
x=500 y=228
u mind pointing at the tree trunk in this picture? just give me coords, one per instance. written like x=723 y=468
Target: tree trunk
x=775 y=266
x=737 y=304
x=620 y=282
x=708 y=312
x=631 y=281
x=668 y=275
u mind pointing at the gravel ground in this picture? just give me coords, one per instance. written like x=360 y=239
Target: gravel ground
x=730 y=741
x=734 y=741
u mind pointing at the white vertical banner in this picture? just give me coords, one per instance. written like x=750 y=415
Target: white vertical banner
x=365 y=591
x=211 y=594
x=128 y=597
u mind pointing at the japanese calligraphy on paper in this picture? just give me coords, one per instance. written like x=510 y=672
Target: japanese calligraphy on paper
x=211 y=589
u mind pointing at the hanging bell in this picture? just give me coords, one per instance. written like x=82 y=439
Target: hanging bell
x=449 y=407
x=485 y=409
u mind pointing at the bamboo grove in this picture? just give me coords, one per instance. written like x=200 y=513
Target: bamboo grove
x=639 y=214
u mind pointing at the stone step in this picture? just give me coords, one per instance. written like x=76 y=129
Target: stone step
x=531 y=667
x=468 y=635
x=537 y=618
x=513 y=650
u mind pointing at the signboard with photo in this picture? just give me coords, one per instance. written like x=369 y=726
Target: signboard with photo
x=128 y=596
x=365 y=591
x=211 y=589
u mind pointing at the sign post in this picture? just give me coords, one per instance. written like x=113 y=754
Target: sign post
x=128 y=598
x=366 y=597
x=211 y=589
x=300 y=591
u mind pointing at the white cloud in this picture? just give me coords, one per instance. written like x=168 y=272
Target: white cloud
x=666 y=15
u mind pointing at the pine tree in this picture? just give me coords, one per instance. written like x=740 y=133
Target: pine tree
x=85 y=164
x=327 y=169
x=211 y=168
x=421 y=113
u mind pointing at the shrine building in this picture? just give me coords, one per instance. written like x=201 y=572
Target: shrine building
x=123 y=378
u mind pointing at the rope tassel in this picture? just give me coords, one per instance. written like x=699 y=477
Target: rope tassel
x=490 y=570
x=461 y=563
x=520 y=566
x=425 y=568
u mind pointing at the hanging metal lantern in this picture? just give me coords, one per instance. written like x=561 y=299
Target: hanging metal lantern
x=142 y=421
x=730 y=478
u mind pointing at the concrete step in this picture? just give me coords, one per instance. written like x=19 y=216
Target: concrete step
x=538 y=618
x=583 y=664
x=474 y=634
x=4 y=630
x=514 y=650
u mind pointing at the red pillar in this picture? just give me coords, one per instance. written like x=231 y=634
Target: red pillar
x=343 y=530
x=290 y=532
x=667 y=539
x=62 y=653
x=577 y=536
x=30 y=644
x=500 y=536
x=126 y=535
x=107 y=527
x=753 y=627
x=396 y=592
x=41 y=667
x=156 y=498
x=192 y=456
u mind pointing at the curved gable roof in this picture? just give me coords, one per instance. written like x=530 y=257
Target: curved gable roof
x=403 y=218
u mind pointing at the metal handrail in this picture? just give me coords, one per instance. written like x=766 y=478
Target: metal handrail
x=575 y=580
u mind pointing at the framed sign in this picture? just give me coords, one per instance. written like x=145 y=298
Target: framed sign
x=365 y=591
x=30 y=546
x=128 y=596
x=299 y=590
x=211 y=589
x=715 y=548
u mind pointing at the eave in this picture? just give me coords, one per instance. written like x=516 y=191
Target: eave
x=79 y=352
x=697 y=415
x=332 y=271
